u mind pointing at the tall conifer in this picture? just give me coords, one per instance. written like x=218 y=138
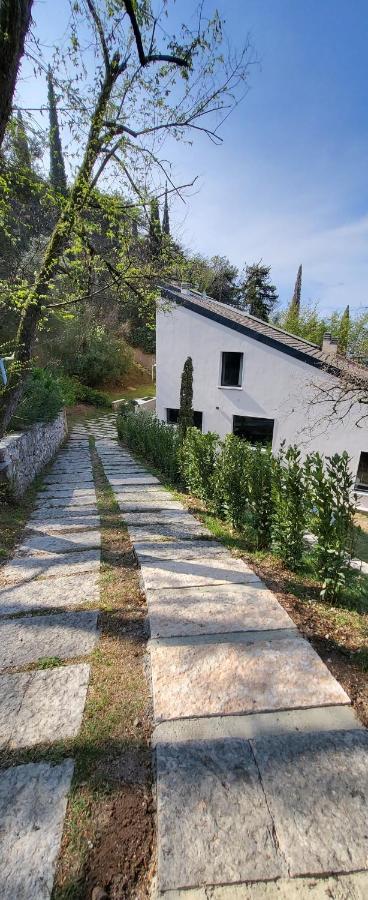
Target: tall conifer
x=57 y=167
x=165 y=217
x=343 y=335
x=186 y=397
x=296 y=298
x=22 y=155
x=155 y=235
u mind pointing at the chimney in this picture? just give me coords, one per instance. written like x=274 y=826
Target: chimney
x=329 y=344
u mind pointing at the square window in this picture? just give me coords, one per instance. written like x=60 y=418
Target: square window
x=231 y=369
x=253 y=429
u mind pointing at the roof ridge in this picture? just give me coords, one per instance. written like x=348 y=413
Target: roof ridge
x=225 y=306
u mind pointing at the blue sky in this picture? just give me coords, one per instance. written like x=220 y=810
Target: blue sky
x=289 y=183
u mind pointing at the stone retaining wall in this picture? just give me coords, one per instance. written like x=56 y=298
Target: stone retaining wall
x=23 y=455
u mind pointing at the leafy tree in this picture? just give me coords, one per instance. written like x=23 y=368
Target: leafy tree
x=135 y=95
x=186 y=397
x=306 y=323
x=296 y=298
x=15 y=18
x=216 y=276
x=289 y=513
x=165 y=217
x=57 y=165
x=258 y=294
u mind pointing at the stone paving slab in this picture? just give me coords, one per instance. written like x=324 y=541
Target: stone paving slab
x=47 y=503
x=62 y=524
x=213 y=821
x=317 y=792
x=171 y=517
x=161 y=532
x=28 y=567
x=188 y=573
x=11 y=697
x=33 y=802
x=51 y=707
x=53 y=513
x=81 y=540
x=63 y=467
x=255 y=725
x=147 y=505
x=67 y=478
x=243 y=674
x=66 y=493
x=216 y=609
x=179 y=550
x=141 y=490
x=67 y=635
x=334 y=887
x=50 y=593
x=139 y=479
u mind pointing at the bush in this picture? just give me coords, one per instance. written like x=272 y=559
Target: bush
x=152 y=439
x=289 y=513
x=198 y=458
x=260 y=495
x=42 y=400
x=93 y=354
x=332 y=519
x=74 y=392
x=231 y=481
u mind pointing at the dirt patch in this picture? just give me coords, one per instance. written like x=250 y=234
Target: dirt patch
x=123 y=848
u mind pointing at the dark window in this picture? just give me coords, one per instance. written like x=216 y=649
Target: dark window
x=231 y=369
x=254 y=430
x=172 y=418
x=362 y=476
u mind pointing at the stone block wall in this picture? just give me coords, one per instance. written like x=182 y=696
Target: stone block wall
x=23 y=455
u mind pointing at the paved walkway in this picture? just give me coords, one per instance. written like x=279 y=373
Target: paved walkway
x=262 y=766
x=46 y=594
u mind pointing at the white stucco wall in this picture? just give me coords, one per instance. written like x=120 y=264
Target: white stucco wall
x=275 y=386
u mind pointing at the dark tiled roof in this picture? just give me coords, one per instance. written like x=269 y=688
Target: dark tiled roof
x=264 y=332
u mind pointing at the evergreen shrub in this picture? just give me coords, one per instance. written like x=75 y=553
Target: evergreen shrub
x=198 y=459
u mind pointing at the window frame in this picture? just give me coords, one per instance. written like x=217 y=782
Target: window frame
x=231 y=387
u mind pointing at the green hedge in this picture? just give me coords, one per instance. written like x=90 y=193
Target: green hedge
x=273 y=499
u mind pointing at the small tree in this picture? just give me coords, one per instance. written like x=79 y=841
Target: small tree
x=186 y=397
x=57 y=166
x=257 y=292
x=343 y=334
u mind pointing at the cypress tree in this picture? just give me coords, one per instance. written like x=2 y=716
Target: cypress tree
x=155 y=235
x=165 y=217
x=257 y=292
x=343 y=334
x=57 y=167
x=22 y=155
x=296 y=298
x=186 y=397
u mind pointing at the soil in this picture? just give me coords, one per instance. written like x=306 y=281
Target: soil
x=124 y=846
x=335 y=646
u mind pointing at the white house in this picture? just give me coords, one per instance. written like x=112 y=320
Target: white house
x=252 y=379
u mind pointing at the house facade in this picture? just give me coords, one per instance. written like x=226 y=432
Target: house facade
x=251 y=379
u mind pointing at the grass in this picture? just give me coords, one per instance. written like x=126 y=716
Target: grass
x=132 y=393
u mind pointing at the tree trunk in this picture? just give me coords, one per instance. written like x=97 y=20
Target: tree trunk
x=15 y=17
